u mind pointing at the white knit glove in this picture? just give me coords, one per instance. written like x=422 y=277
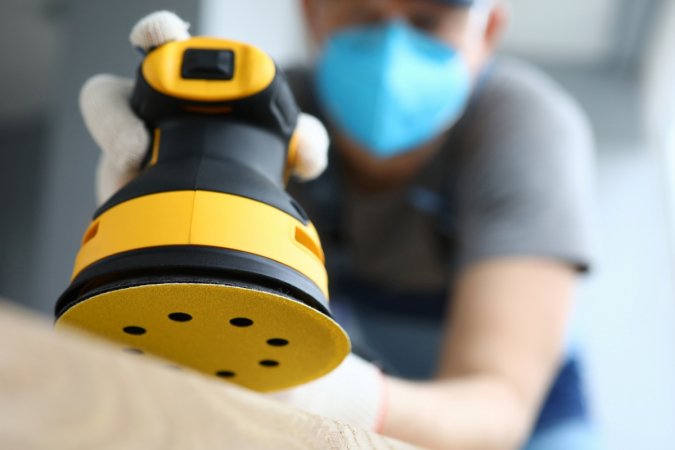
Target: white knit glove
x=124 y=138
x=354 y=393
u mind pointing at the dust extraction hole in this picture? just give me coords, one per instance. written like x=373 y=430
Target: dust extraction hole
x=241 y=322
x=269 y=363
x=134 y=330
x=134 y=351
x=180 y=317
x=225 y=374
x=277 y=342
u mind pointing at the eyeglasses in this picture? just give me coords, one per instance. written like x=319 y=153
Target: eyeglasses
x=426 y=15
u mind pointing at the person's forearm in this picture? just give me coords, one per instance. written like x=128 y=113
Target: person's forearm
x=473 y=412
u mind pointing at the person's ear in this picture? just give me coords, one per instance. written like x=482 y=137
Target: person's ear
x=497 y=22
x=310 y=10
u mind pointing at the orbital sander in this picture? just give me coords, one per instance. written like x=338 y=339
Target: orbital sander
x=204 y=259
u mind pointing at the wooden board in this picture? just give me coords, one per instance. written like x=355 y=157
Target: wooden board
x=69 y=391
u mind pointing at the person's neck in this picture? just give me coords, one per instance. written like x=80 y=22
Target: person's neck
x=368 y=173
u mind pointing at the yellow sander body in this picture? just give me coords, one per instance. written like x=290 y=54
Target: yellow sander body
x=204 y=259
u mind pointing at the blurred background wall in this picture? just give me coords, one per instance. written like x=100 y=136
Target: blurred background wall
x=617 y=57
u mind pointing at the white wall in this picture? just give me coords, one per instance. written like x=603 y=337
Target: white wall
x=628 y=307
x=567 y=32
x=659 y=75
x=273 y=25
x=30 y=44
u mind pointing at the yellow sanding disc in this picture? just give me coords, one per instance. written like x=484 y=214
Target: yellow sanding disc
x=257 y=339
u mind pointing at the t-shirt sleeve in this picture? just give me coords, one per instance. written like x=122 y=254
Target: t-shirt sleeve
x=524 y=175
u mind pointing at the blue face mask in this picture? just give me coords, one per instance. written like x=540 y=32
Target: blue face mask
x=391 y=87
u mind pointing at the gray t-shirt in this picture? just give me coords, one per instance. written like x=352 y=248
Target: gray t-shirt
x=512 y=179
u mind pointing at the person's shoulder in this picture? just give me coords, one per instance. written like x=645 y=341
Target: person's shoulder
x=521 y=119
x=511 y=74
x=518 y=92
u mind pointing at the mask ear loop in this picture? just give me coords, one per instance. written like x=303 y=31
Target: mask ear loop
x=479 y=14
x=481 y=9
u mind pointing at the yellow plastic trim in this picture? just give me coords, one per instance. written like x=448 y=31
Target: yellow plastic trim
x=292 y=157
x=254 y=70
x=210 y=219
x=155 y=146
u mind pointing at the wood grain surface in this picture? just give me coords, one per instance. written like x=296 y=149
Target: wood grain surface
x=70 y=391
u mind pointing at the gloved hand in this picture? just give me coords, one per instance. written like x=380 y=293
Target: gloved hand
x=354 y=393
x=123 y=137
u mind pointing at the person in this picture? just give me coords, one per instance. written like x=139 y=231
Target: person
x=454 y=216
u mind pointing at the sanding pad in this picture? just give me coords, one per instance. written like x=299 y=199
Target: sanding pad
x=258 y=339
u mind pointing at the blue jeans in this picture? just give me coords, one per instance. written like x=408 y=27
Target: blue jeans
x=568 y=435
